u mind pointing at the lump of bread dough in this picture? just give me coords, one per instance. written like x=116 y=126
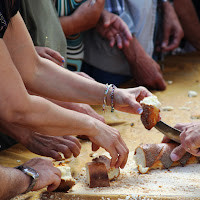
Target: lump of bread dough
x=157 y=156
x=67 y=181
x=151 y=108
x=99 y=173
x=192 y=93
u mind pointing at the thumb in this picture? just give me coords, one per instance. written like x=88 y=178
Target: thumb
x=137 y=108
x=165 y=41
x=180 y=126
x=177 y=153
x=95 y=147
x=106 y=20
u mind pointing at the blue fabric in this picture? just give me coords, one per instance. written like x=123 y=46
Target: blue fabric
x=104 y=77
x=117 y=6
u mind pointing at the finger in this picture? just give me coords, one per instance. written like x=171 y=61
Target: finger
x=55 y=184
x=56 y=55
x=166 y=140
x=73 y=139
x=112 y=41
x=57 y=172
x=126 y=42
x=122 y=158
x=160 y=84
x=136 y=107
x=173 y=45
x=64 y=149
x=126 y=33
x=95 y=147
x=74 y=149
x=165 y=39
x=180 y=126
x=195 y=152
x=177 y=153
x=106 y=20
x=54 y=154
x=114 y=157
x=119 y=41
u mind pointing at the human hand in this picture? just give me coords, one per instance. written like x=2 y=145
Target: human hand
x=190 y=140
x=50 y=146
x=87 y=14
x=48 y=174
x=172 y=30
x=127 y=100
x=113 y=28
x=145 y=71
x=50 y=54
x=109 y=138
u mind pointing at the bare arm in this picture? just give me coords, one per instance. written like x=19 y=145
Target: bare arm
x=172 y=30
x=84 y=17
x=39 y=74
x=44 y=77
x=189 y=21
x=13 y=182
x=145 y=70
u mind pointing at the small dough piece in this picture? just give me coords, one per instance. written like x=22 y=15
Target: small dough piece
x=151 y=108
x=67 y=182
x=99 y=173
x=192 y=93
x=157 y=156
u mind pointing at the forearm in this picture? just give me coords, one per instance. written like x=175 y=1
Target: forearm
x=70 y=25
x=189 y=21
x=13 y=182
x=45 y=117
x=18 y=133
x=44 y=77
x=64 y=85
x=135 y=53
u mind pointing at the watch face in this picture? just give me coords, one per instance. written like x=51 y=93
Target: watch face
x=31 y=172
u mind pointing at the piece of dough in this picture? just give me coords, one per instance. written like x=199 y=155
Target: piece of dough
x=99 y=173
x=151 y=108
x=67 y=181
x=157 y=156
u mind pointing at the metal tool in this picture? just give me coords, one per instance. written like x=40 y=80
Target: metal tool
x=170 y=132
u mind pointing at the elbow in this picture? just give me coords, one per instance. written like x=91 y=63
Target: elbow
x=14 y=114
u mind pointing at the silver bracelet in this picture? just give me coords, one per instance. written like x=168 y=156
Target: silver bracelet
x=163 y=1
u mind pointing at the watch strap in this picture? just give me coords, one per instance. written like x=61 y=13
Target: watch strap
x=30 y=172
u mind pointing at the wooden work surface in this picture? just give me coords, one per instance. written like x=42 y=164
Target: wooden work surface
x=183 y=74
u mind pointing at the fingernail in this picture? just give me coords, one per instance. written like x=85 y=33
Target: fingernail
x=140 y=110
x=63 y=59
x=164 y=44
x=174 y=157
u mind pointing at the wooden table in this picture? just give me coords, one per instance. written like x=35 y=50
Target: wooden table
x=183 y=74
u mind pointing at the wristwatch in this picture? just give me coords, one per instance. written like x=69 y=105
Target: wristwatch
x=30 y=172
